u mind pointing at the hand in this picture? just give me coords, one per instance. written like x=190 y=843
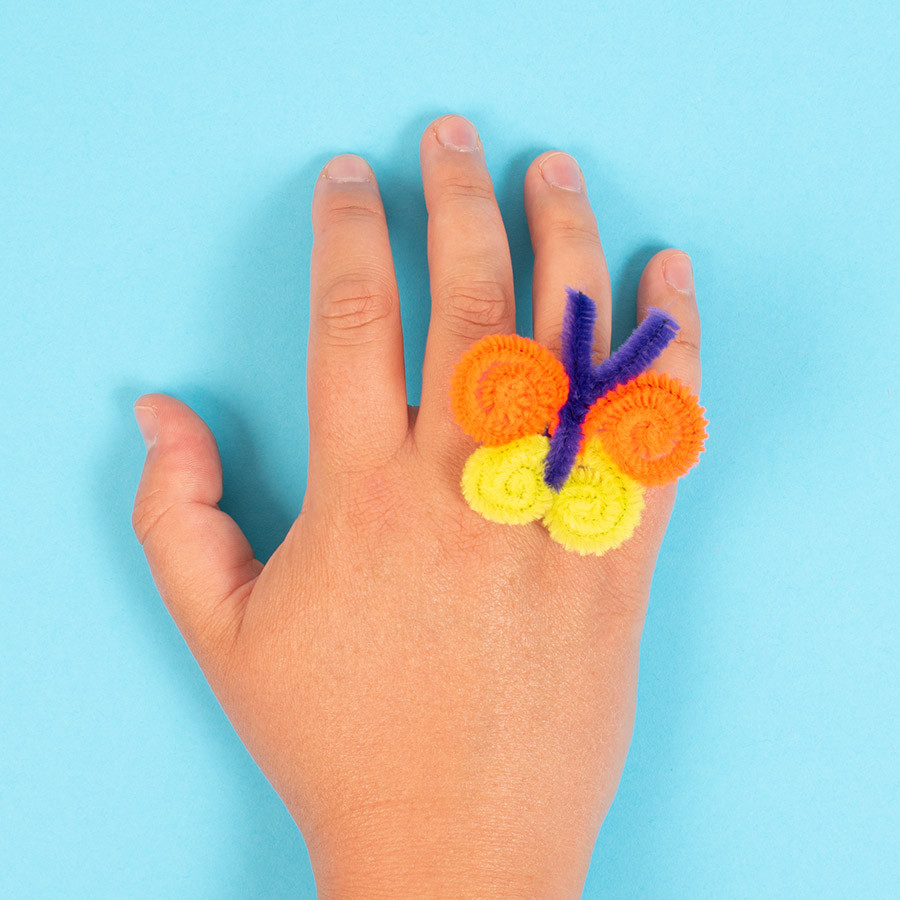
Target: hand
x=444 y=704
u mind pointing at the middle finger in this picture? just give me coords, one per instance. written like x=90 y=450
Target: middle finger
x=469 y=266
x=567 y=249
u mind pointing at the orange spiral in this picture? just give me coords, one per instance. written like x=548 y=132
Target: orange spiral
x=652 y=426
x=506 y=387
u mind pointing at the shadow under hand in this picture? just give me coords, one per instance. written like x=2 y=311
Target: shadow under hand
x=256 y=344
x=248 y=386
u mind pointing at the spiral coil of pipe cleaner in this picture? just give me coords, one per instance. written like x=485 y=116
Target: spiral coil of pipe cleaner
x=572 y=443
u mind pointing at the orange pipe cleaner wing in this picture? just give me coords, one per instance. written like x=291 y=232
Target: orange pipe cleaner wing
x=507 y=387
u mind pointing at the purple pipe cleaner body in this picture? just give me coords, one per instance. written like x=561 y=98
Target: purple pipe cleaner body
x=588 y=382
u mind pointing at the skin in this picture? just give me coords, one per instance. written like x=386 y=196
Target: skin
x=444 y=704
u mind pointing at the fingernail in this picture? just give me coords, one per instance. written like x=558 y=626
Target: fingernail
x=678 y=273
x=148 y=424
x=561 y=170
x=457 y=133
x=348 y=168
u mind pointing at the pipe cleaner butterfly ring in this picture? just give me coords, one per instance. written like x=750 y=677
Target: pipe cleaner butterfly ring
x=568 y=442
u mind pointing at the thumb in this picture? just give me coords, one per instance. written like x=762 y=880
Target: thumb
x=200 y=560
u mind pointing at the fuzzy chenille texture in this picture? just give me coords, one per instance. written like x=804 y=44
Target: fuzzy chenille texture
x=651 y=425
x=598 y=507
x=588 y=382
x=570 y=443
x=506 y=387
x=506 y=484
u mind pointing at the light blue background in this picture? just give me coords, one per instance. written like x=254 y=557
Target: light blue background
x=156 y=169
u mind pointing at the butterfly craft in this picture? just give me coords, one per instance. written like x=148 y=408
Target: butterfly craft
x=573 y=443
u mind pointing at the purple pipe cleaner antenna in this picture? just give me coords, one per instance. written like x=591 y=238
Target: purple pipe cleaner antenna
x=588 y=382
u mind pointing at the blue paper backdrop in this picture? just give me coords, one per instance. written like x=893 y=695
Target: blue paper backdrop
x=156 y=170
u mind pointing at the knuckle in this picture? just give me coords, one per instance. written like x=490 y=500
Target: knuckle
x=688 y=344
x=476 y=307
x=456 y=187
x=149 y=510
x=554 y=344
x=577 y=231
x=342 y=212
x=351 y=307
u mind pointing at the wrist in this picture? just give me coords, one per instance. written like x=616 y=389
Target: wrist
x=452 y=862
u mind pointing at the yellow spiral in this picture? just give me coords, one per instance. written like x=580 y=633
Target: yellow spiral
x=598 y=507
x=506 y=484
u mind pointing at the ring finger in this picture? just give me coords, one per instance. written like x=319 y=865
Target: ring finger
x=567 y=249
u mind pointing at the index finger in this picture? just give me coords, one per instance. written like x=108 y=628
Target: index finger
x=356 y=383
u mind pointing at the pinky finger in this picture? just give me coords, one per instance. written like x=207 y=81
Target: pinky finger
x=667 y=283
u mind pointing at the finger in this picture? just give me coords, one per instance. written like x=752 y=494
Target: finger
x=567 y=249
x=469 y=265
x=667 y=283
x=200 y=560
x=356 y=384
